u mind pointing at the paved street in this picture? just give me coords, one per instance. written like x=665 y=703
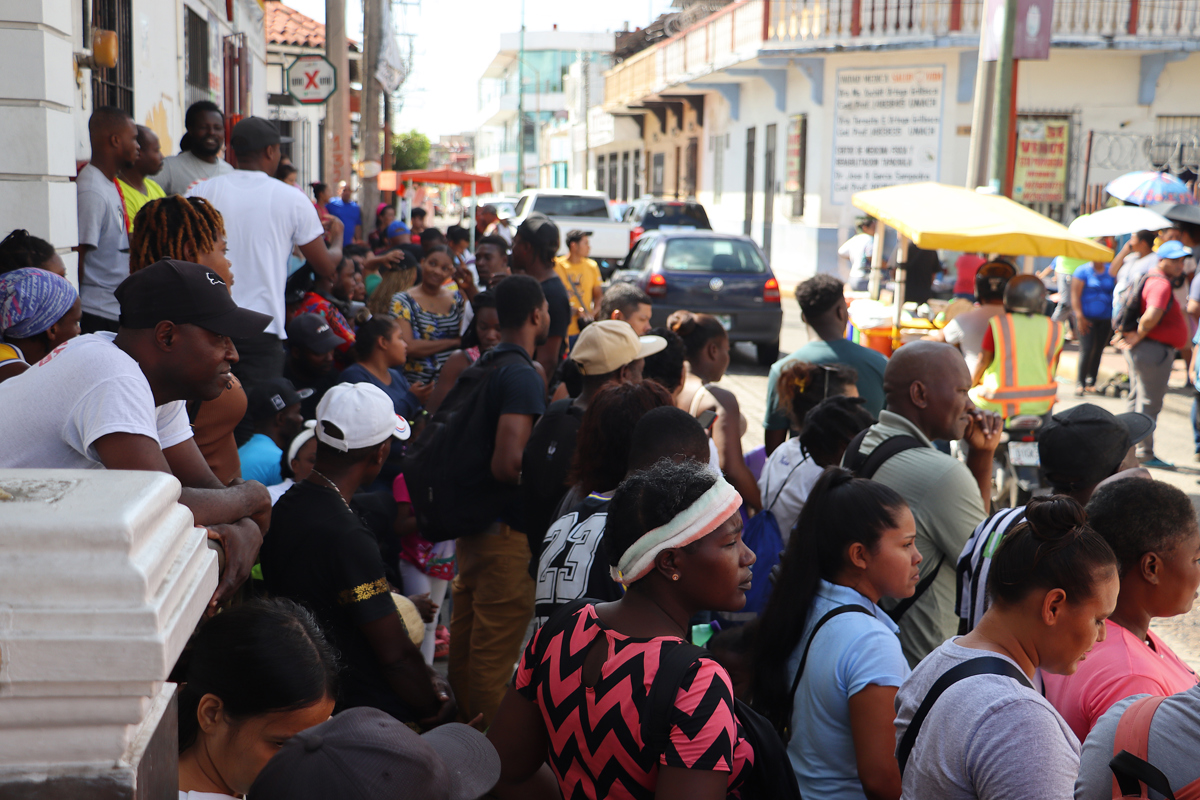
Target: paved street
x=1173 y=440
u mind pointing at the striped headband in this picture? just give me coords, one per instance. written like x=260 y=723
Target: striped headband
x=695 y=522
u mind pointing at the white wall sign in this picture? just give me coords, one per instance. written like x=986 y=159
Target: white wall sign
x=888 y=128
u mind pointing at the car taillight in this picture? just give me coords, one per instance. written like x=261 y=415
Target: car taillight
x=771 y=291
x=635 y=234
x=656 y=286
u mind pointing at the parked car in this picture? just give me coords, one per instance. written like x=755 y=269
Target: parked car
x=585 y=210
x=664 y=215
x=720 y=274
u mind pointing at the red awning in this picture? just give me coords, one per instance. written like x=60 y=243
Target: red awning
x=483 y=183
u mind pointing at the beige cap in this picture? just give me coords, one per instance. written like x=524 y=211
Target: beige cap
x=610 y=344
x=410 y=617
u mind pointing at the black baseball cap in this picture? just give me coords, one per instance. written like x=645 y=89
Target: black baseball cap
x=312 y=332
x=540 y=231
x=253 y=134
x=267 y=398
x=365 y=754
x=1085 y=444
x=574 y=235
x=186 y=294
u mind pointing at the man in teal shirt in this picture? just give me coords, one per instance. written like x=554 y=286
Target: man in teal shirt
x=823 y=307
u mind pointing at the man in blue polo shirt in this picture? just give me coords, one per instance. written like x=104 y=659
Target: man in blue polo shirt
x=348 y=212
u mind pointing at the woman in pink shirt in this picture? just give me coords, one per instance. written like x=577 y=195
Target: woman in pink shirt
x=1152 y=528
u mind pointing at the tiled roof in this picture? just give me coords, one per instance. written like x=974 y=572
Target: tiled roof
x=287 y=26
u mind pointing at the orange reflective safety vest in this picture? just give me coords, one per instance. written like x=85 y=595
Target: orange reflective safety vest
x=1020 y=379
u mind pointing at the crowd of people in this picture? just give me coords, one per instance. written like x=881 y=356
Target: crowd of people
x=371 y=428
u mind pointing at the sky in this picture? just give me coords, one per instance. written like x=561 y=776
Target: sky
x=455 y=40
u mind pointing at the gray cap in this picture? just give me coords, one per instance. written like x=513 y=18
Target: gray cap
x=253 y=134
x=366 y=754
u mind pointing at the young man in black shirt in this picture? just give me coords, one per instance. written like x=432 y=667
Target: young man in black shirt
x=493 y=592
x=321 y=554
x=533 y=249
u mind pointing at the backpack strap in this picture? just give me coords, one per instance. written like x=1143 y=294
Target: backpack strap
x=897 y=611
x=984 y=665
x=675 y=659
x=1131 y=745
x=867 y=466
x=782 y=486
x=787 y=734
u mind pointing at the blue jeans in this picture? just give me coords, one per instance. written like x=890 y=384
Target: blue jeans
x=1196 y=419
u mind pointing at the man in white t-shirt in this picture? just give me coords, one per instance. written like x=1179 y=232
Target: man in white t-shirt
x=264 y=219
x=117 y=401
x=103 y=229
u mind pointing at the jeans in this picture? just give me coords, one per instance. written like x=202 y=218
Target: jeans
x=1149 y=365
x=492 y=605
x=1196 y=419
x=1063 y=311
x=1091 y=348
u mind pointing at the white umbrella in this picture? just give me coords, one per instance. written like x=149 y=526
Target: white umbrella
x=1118 y=221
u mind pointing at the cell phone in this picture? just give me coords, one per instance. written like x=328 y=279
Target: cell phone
x=706 y=418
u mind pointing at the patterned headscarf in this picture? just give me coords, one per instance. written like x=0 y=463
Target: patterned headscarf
x=32 y=300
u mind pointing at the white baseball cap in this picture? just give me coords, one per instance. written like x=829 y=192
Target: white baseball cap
x=354 y=415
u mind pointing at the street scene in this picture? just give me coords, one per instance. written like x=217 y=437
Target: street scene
x=526 y=399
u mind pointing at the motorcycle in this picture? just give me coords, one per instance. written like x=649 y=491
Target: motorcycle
x=1017 y=473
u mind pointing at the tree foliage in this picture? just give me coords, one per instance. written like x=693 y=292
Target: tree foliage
x=410 y=151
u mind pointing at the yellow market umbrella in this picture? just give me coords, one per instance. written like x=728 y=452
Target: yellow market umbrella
x=935 y=216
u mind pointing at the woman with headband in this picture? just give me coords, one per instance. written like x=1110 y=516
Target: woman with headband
x=38 y=311
x=674 y=536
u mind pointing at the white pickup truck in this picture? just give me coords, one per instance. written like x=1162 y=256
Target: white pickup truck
x=588 y=211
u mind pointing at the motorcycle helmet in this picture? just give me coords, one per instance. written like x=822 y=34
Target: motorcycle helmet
x=1025 y=294
x=991 y=279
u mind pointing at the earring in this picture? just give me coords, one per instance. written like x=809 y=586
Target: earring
x=675 y=577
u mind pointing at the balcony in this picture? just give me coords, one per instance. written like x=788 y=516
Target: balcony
x=870 y=23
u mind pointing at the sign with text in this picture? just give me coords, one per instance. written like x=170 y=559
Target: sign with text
x=311 y=79
x=888 y=128
x=1040 y=171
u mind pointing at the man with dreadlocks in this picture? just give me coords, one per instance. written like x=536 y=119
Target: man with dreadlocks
x=265 y=218
x=192 y=230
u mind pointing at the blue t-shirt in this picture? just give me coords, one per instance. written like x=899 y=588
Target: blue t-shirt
x=403 y=400
x=350 y=215
x=1098 y=288
x=261 y=459
x=397 y=228
x=852 y=651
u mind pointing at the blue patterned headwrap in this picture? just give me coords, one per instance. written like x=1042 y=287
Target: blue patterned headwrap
x=32 y=300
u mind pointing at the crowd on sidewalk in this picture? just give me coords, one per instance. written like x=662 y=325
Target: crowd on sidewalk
x=374 y=427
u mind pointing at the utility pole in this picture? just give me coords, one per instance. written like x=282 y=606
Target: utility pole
x=586 y=64
x=985 y=84
x=337 y=108
x=521 y=104
x=372 y=27
x=1002 y=108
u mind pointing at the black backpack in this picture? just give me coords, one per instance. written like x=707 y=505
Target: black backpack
x=1130 y=311
x=448 y=469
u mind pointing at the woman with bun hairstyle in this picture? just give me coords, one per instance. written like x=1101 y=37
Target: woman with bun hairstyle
x=790 y=471
x=829 y=679
x=1053 y=582
x=257 y=674
x=707 y=346
x=674 y=537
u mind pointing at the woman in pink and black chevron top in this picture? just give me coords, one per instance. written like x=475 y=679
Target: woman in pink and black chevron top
x=581 y=691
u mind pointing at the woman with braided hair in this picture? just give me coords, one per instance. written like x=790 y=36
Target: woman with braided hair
x=192 y=229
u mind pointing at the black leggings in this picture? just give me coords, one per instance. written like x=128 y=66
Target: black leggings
x=1091 y=347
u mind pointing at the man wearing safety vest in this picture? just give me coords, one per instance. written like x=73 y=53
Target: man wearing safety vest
x=1019 y=355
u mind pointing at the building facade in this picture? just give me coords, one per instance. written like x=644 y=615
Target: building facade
x=772 y=113
x=548 y=59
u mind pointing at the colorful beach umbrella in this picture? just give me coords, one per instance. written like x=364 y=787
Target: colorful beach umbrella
x=1148 y=188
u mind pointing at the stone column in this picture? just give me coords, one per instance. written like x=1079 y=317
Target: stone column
x=37 y=131
x=102 y=581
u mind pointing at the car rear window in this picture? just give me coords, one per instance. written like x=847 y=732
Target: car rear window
x=567 y=206
x=712 y=255
x=692 y=216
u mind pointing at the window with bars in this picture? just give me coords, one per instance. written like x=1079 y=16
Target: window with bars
x=114 y=87
x=1176 y=144
x=195 y=42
